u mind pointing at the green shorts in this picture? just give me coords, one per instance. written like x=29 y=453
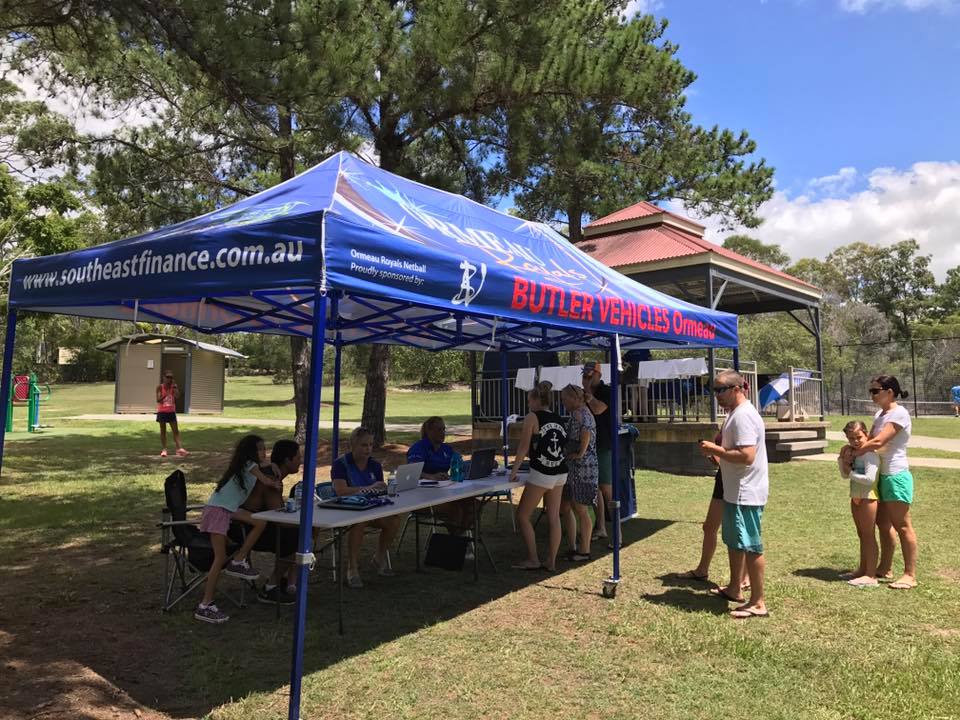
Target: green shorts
x=741 y=527
x=605 y=463
x=897 y=487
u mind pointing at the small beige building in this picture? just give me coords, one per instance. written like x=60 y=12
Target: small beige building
x=198 y=369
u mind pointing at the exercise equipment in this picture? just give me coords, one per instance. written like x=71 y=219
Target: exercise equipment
x=26 y=390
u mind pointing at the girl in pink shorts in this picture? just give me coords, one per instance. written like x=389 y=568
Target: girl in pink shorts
x=223 y=506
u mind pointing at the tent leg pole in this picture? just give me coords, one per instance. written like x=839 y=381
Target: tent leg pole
x=335 y=439
x=610 y=584
x=504 y=403
x=338 y=352
x=5 y=388
x=304 y=556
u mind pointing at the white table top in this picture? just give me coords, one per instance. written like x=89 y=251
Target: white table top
x=405 y=502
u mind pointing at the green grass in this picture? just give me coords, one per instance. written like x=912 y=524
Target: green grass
x=833 y=446
x=259 y=398
x=940 y=427
x=77 y=509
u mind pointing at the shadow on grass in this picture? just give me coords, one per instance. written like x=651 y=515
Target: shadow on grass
x=449 y=420
x=688 y=600
x=86 y=555
x=824 y=574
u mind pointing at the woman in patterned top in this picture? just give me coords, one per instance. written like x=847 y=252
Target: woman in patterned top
x=583 y=472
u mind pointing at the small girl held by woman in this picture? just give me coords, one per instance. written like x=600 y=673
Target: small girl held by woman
x=862 y=473
x=223 y=506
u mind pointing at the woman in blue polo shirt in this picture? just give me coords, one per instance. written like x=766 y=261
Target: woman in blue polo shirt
x=436 y=456
x=352 y=474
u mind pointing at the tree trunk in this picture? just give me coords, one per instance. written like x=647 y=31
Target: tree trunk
x=299 y=347
x=300 y=362
x=375 y=394
x=575 y=220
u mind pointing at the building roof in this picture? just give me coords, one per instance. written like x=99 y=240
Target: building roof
x=155 y=338
x=646 y=213
x=644 y=233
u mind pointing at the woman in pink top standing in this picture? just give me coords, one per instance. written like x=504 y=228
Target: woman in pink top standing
x=167 y=394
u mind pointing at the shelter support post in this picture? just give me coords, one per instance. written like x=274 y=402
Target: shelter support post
x=736 y=359
x=304 y=556
x=338 y=351
x=823 y=383
x=711 y=353
x=504 y=403
x=5 y=406
x=610 y=584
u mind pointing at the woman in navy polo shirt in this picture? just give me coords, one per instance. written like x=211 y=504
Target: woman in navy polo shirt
x=436 y=456
x=354 y=473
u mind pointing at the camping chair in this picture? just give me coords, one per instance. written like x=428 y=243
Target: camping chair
x=189 y=552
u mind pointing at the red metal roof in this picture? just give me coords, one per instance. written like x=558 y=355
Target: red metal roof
x=662 y=242
x=638 y=210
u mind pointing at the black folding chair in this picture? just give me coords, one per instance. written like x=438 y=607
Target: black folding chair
x=189 y=552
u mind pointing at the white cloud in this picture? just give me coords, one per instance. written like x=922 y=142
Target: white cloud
x=863 y=6
x=88 y=114
x=922 y=203
x=839 y=183
x=641 y=7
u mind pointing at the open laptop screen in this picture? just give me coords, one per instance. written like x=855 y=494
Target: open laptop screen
x=482 y=463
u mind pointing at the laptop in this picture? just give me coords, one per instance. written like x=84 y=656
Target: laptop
x=482 y=463
x=408 y=476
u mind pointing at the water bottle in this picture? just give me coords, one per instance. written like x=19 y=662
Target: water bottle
x=392 y=484
x=297 y=494
x=456 y=468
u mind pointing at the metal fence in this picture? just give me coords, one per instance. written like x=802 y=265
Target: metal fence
x=802 y=399
x=682 y=399
x=926 y=368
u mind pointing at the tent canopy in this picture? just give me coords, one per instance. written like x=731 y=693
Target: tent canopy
x=404 y=263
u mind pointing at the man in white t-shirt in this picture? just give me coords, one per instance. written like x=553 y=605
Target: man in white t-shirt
x=742 y=455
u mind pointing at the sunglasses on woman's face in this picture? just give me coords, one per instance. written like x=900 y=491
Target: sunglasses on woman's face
x=874 y=391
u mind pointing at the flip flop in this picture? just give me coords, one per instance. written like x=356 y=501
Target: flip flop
x=527 y=567
x=746 y=613
x=722 y=593
x=901 y=586
x=690 y=575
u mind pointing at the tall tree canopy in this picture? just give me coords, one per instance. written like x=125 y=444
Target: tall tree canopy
x=564 y=99
x=772 y=255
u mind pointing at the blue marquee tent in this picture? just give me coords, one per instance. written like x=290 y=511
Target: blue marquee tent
x=353 y=254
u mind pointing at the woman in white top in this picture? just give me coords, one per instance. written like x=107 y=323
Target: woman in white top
x=889 y=437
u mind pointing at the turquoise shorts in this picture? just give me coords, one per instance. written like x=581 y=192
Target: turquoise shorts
x=897 y=487
x=741 y=527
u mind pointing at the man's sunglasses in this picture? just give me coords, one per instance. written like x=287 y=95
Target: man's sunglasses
x=723 y=388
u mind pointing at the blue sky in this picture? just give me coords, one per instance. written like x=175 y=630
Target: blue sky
x=856 y=103
x=820 y=87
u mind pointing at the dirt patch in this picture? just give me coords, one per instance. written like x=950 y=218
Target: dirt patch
x=81 y=633
x=432 y=387
x=951 y=574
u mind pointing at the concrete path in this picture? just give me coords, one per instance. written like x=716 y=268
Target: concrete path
x=914 y=461
x=918 y=441
x=259 y=422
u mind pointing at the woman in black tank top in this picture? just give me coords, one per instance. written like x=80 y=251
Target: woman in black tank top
x=543 y=437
